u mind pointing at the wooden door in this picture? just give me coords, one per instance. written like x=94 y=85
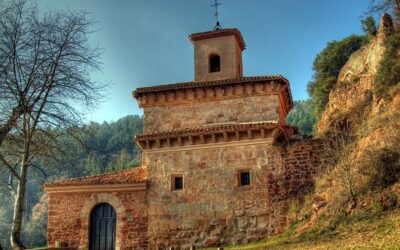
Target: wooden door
x=102 y=227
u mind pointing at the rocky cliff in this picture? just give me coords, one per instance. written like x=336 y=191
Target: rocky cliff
x=353 y=93
x=370 y=159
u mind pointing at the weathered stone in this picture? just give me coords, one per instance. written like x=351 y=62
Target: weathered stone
x=181 y=116
x=211 y=241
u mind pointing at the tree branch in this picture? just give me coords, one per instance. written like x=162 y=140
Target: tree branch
x=9 y=167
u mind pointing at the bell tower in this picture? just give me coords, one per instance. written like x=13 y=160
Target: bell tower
x=218 y=54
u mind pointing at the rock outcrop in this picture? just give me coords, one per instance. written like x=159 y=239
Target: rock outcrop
x=372 y=123
x=356 y=80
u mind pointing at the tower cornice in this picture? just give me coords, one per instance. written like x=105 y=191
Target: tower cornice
x=219 y=33
x=200 y=91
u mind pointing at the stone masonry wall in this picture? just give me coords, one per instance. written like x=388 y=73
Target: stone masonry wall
x=304 y=160
x=69 y=216
x=228 y=50
x=248 y=109
x=212 y=209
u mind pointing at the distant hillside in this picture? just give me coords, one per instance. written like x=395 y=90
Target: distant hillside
x=301 y=116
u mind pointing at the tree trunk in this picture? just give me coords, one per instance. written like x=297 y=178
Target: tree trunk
x=19 y=207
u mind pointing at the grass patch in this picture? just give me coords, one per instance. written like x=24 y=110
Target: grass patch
x=360 y=232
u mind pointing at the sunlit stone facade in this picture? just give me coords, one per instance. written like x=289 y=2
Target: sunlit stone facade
x=218 y=162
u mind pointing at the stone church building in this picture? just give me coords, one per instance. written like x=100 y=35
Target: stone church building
x=218 y=164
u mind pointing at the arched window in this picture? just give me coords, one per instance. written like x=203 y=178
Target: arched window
x=215 y=63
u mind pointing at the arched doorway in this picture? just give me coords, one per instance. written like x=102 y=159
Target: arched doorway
x=102 y=227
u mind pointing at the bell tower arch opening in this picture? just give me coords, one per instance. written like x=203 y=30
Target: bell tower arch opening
x=214 y=63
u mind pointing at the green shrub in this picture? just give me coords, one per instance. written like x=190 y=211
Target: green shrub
x=376 y=207
x=369 y=26
x=388 y=74
x=327 y=66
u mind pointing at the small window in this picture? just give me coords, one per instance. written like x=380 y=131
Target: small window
x=244 y=178
x=177 y=182
x=215 y=63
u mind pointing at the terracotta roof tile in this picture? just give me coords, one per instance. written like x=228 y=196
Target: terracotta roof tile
x=215 y=128
x=128 y=176
x=197 y=84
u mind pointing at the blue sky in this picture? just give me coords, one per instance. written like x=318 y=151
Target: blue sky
x=145 y=41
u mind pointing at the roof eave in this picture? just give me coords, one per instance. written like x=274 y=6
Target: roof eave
x=199 y=84
x=96 y=188
x=207 y=130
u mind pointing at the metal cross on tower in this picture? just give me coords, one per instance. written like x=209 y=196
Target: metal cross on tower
x=216 y=14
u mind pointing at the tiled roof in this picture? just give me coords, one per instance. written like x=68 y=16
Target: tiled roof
x=197 y=84
x=216 y=128
x=128 y=176
x=219 y=33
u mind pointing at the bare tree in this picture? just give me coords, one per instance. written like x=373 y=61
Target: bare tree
x=45 y=63
x=339 y=145
x=385 y=6
x=9 y=115
x=381 y=6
